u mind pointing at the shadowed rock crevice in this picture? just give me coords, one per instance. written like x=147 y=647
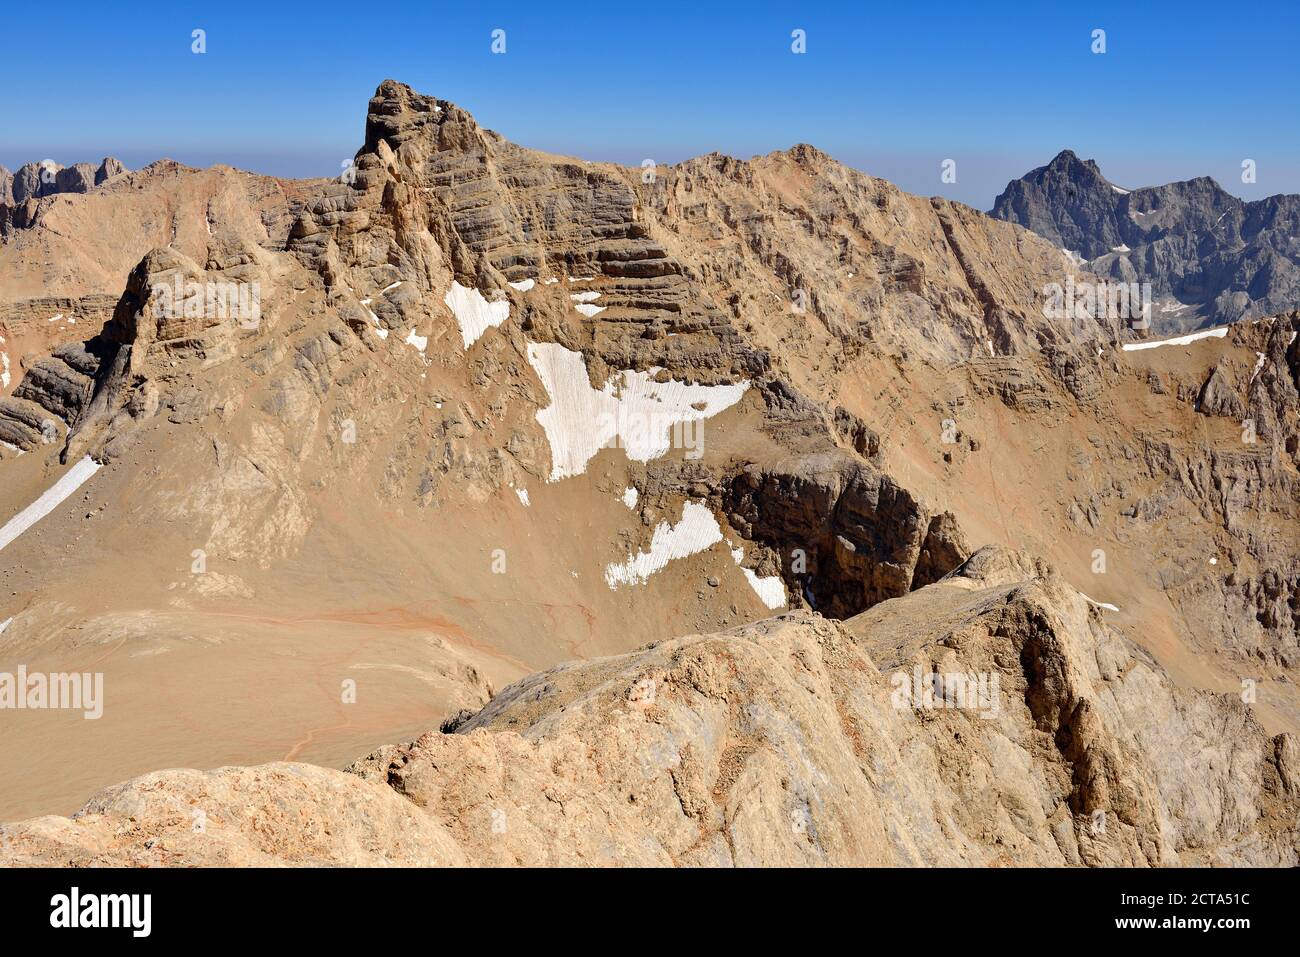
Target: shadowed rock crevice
x=848 y=535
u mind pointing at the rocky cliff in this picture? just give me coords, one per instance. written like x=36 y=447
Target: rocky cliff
x=1210 y=257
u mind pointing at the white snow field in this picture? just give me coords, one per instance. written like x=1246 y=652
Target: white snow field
x=50 y=499
x=632 y=411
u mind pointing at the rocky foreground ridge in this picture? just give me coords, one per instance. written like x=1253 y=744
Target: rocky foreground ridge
x=784 y=742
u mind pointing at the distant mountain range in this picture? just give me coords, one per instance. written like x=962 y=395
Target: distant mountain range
x=34 y=180
x=1210 y=257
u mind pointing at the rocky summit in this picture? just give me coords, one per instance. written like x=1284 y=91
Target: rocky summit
x=1209 y=257
x=482 y=506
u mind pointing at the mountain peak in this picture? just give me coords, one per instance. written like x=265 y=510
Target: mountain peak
x=398 y=113
x=1068 y=161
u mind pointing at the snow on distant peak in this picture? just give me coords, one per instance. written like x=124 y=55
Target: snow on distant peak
x=632 y=411
x=379 y=329
x=770 y=590
x=474 y=314
x=1122 y=192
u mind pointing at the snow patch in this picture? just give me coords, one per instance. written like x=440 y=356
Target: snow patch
x=583 y=298
x=632 y=411
x=697 y=530
x=770 y=590
x=71 y=480
x=4 y=370
x=391 y=286
x=1218 y=333
x=474 y=314
x=1259 y=364
x=1122 y=192
x=523 y=285
x=5 y=624
x=1121 y=248
x=523 y=496
x=629 y=497
x=420 y=342
x=1100 y=604
x=379 y=329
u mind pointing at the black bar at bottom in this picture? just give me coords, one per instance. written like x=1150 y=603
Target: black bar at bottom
x=336 y=906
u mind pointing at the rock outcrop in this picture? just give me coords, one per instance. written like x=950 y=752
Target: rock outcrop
x=989 y=719
x=1210 y=257
x=34 y=180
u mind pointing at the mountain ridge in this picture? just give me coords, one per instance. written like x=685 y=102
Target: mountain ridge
x=1203 y=271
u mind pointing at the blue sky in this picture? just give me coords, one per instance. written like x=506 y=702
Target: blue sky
x=1183 y=89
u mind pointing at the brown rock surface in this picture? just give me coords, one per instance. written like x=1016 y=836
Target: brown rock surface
x=343 y=491
x=780 y=743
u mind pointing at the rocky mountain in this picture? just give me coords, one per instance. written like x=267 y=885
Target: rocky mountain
x=34 y=180
x=304 y=468
x=1210 y=257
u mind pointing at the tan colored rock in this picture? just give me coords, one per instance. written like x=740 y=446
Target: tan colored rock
x=794 y=742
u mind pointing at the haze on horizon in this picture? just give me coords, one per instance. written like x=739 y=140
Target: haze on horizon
x=994 y=91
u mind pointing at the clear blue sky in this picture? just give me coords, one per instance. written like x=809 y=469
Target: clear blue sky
x=1184 y=89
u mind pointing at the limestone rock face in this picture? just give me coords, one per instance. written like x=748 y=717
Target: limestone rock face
x=796 y=741
x=863 y=538
x=1218 y=398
